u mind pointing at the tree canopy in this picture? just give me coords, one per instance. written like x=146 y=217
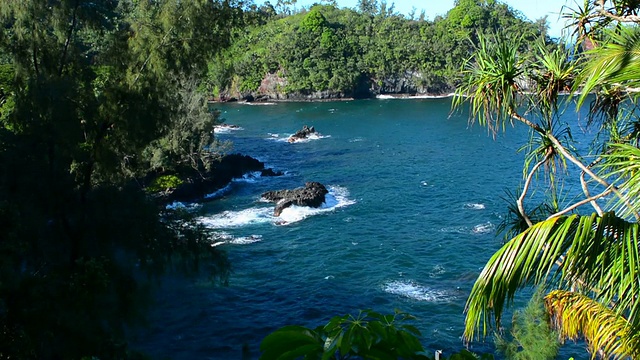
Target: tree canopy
x=342 y=52
x=94 y=97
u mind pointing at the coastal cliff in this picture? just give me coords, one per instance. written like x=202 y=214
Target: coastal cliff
x=273 y=87
x=330 y=53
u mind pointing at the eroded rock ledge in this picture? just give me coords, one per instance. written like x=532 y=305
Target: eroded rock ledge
x=195 y=186
x=312 y=195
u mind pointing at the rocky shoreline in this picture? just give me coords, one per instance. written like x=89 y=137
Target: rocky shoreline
x=293 y=99
x=195 y=186
x=273 y=85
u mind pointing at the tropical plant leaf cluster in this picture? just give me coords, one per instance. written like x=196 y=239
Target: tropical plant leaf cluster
x=369 y=335
x=582 y=250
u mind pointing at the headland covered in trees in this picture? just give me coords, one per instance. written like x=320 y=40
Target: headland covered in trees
x=327 y=52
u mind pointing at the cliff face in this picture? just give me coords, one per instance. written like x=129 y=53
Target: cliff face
x=273 y=87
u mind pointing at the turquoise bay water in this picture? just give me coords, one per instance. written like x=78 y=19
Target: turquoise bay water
x=415 y=197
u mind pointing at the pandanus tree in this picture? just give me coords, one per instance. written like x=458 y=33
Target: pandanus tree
x=585 y=252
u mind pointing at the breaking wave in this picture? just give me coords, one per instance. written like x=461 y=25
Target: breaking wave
x=412 y=290
x=474 y=206
x=225 y=128
x=336 y=198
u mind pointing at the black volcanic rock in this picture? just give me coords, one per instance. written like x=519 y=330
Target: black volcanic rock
x=196 y=186
x=312 y=195
x=302 y=134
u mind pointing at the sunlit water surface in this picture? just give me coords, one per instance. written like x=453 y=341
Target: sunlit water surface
x=415 y=199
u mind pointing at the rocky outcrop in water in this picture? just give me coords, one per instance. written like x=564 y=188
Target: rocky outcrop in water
x=195 y=186
x=312 y=195
x=304 y=133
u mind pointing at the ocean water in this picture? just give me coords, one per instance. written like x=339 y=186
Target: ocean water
x=410 y=220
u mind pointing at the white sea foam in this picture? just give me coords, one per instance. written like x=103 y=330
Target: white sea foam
x=225 y=129
x=412 y=290
x=234 y=219
x=437 y=270
x=336 y=198
x=356 y=139
x=483 y=228
x=474 y=206
x=182 y=206
x=286 y=137
x=222 y=237
x=258 y=103
x=218 y=193
x=405 y=97
x=243 y=240
x=250 y=177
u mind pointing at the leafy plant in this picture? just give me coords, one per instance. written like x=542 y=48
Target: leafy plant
x=586 y=260
x=530 y=336
x=369 y=335
x=164 y=182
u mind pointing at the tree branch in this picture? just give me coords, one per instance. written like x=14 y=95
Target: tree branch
x=520 y=200
x=584 y=168
x=69 y=36
x=612 y=16
x=607 y=191
x=585 y=188
x=556 y=143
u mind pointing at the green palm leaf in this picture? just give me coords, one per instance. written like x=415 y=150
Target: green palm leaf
x=527 y=258
x=616 y=63
x=622 y=166
x=492 y=87
x=597 y=255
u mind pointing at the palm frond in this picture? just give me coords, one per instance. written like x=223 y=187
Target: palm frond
x=553 y=73
x=492 y=85
x=581 y=20
x=617 y=62
x=527 y=258
x=575 y=315
x=597 y=254
x=622 y=166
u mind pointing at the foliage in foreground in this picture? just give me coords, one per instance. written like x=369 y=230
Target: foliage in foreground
x=369 y=335
x=91 y=91
x=588 y=261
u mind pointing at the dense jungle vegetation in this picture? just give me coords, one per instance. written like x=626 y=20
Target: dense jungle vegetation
x=330 y=52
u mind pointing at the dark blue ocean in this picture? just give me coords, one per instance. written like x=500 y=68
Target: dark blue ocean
x=415 y=197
